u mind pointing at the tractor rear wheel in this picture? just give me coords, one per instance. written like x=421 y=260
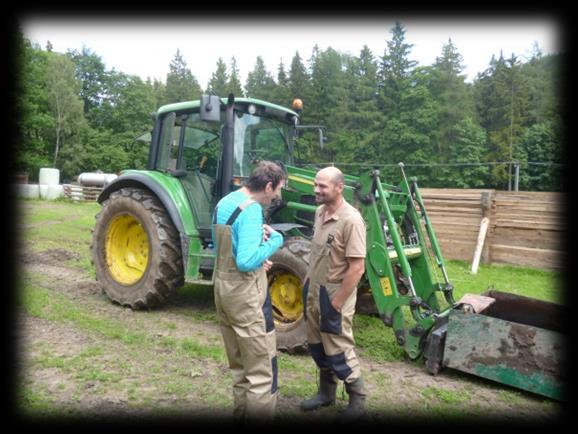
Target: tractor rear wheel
x=136 y=250
x=286 y=278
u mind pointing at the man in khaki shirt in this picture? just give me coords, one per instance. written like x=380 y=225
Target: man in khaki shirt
x=330 y=292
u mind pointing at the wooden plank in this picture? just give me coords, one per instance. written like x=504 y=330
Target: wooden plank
x=455 y=220
x=529 y=224
x=529 y=209
x=452 y=229
x=454 y=212
x=530 y=238
x=528 y=257
x=455 y=249
x=543 y=214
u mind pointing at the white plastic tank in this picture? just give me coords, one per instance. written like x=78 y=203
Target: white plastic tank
x=96 y=179
x=28 y=191
x=50 y=192
x=49 y=176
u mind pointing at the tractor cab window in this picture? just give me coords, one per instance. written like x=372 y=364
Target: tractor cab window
x=259 y=138
x=201 y=146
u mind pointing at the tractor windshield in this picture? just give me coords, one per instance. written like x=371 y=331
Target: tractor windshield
x=259 y=138
x=188 y=142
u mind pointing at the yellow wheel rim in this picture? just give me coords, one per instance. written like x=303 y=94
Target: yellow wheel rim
x=285 y=289
x=127 y=249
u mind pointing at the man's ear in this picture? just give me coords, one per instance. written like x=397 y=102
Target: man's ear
x=269 y=187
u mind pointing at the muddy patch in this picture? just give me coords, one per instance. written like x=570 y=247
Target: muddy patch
x=50 y=257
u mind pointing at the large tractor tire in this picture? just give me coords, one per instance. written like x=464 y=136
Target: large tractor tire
x=136 y=249
x=286 y=279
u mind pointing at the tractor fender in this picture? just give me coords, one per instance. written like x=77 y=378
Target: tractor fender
x=139 y=181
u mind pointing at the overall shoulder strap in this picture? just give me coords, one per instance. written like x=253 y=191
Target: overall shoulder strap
x=238 y=211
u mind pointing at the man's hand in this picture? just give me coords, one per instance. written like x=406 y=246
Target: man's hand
x=337 y=304
x=267 y=231
x=267 y=264
x=355 y=269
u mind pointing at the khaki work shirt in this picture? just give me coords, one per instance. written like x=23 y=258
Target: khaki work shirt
x=345 y=232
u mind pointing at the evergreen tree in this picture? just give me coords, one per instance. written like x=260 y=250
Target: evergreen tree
x=467 y=147
x=502 y=103
x=541 y=159
x=395 y=69
x=181 y=83
x=452 y=95
x=362 y=122
x=328 y=102
x=260 y=84
x=363 y=116
x=282 y=93
x=299 y=84
x=234 y=85
x=218 y=82
x=544 y=75
x=409 y=110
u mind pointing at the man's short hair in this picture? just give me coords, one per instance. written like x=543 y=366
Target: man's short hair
x=265 y=172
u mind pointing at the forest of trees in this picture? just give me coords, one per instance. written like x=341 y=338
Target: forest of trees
x=377 y=108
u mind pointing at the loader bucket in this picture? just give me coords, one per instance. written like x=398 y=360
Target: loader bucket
x=518 y=341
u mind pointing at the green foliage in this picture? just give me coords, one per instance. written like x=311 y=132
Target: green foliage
x=97 y=151
x=540 y=144
x=467 y=148
x=91 y=72
x=66 y=106
x=376 y=110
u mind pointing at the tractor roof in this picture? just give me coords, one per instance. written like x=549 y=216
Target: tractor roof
x=188 y=105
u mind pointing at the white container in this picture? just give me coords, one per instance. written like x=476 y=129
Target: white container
x=54 y=192
x=96 y=179
x=48 y=176
x=28 y=191
x=43 y=191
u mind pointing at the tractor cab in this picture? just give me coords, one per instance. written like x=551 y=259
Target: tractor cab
x=211 y=145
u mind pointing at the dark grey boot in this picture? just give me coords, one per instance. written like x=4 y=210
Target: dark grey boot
x=356 y=407
x=326 y=394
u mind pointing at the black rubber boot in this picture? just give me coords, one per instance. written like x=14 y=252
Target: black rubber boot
x=326 y=394
x=356 y=407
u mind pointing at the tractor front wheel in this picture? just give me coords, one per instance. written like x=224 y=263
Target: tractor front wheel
x=286 y=278
x=136 y=250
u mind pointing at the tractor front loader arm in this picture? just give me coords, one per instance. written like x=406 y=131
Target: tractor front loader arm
x=397 y=268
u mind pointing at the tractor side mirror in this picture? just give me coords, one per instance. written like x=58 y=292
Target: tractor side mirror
x=319 y=128
x=210 y=110
x=322 y=138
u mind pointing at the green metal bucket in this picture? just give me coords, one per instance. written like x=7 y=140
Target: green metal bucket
x=518 y=341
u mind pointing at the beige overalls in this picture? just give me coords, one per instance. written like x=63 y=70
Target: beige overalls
x=329 y=333
x=245 y=317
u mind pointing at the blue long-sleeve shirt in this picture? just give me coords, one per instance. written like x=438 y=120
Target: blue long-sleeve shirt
x=249 y=249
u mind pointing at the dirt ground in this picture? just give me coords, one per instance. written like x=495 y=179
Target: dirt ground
x=130 y=382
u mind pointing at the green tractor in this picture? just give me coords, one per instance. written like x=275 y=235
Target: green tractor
x=153 y=233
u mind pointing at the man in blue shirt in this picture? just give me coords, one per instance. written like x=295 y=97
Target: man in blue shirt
x=243 y=245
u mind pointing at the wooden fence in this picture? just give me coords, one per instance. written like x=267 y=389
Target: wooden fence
x=526 y=228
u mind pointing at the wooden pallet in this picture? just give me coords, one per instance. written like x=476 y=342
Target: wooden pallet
x=81 y=193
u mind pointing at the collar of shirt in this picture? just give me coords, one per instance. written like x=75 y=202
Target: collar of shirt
x=334 y=216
